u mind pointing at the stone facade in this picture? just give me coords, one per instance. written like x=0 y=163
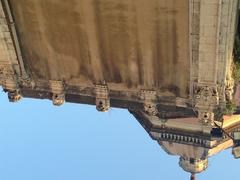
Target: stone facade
x=209 y=27
x=168 y=62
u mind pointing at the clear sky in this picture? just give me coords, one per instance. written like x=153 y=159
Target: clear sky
x=39 y=141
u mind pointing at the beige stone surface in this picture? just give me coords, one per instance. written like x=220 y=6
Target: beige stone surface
x=134 y=43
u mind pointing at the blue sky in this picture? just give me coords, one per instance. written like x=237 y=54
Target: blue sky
x=72 y=142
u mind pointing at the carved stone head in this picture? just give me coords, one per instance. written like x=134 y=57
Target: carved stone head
x=102 y=105
x=58 y=99
x=150 y=109
x=14 y=96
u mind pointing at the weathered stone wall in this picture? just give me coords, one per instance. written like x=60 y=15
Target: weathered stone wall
x=159 y=53
x=8 y=59
x=127 y=44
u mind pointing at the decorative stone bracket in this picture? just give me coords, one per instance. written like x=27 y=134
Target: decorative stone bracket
x=58 y=90
x=149 y=106
x=206 y=97
x=206 y=117
x=9 y=82
x=102 y=98
x=206 y=100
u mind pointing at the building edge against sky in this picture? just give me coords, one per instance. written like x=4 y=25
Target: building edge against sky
x=171 y=66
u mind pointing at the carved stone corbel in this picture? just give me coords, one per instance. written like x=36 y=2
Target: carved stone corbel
x=11 y=87
x=102 y=98
x=149 y=105
x=58 y=91
x=206 y=117
x=206 y=97
x=206 y=101
x=14 y=96
x=10 y=83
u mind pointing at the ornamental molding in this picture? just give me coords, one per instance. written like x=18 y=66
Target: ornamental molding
x=206 y=101
x=178 y=138
x=206 y=97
